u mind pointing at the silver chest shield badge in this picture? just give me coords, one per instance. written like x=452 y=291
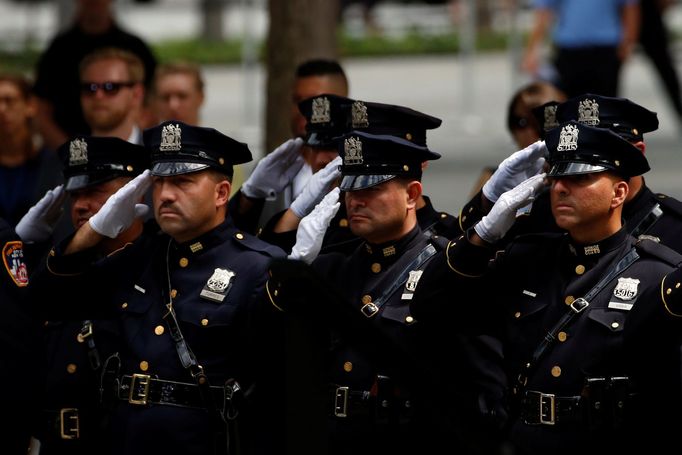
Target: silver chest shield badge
x=411 y=284
x=218 y=285
x=626 y=289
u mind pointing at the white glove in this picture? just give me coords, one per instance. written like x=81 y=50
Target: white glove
x=39 y=222
x=274 y=171
x=316 y=188
x=495 y=224
x=516 y=168
x=122 y=207
x=312 y=228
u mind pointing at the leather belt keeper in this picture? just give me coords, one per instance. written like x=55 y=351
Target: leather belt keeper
x=141 y=390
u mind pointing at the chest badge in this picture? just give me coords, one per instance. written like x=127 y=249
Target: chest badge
x=218 y=285
x=411 y=284
x=626 y=289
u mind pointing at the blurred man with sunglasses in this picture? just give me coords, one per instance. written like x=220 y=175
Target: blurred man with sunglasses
x=112 y=93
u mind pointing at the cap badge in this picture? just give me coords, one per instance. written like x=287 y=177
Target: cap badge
x=626 y=289
x=568 y=139
x=170 y=138
x=588 y=112
x=550 y=118
x=353 y=151
x=78 y=152
x=320 y=111
x=218 y=285
x=359 y=115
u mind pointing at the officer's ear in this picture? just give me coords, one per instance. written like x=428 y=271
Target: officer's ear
x=414 y=191
x=222 y=192
x=620 y=192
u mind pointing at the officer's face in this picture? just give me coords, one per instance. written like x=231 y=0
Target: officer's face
x=87 y=201
x=15 y=110
x=178 y=97
x=189 y=205
x=106 y=110
x=588 y=206
x=384 y=212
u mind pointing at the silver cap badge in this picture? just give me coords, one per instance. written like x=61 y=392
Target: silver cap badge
x=568 y=139
x=550 y=118
x=626 y=289
x=320 y=110
x=78 y=152
x=588 y=112
x=359 y=115
x=170 y=138
x=352 y=151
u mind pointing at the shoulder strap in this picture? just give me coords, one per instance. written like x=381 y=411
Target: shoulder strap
x=575 y=309
x=647 y=221
x=372 y=308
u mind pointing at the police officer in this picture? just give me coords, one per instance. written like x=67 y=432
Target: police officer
x=71 y=421
x=18 y=334
x=186 y=299
x=377 y=386
x=328 y=117
x=580 y=377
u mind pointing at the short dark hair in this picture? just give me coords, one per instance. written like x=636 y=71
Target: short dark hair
x=320 y=67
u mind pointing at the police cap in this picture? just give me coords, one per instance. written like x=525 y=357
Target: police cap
x=370 y=159
x=575 y=148
x=329 y=117
x=627 y=119
x=178 y=148
x=545 y=115
x=90 y=160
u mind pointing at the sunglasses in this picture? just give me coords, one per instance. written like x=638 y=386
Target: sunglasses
x=109 y=88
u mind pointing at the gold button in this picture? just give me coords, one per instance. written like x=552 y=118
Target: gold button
x=409 y=319
x=159 y=330
x=376 y=267
x=615 y=325
x=71 y=368
x=202 y=380
x=464 y=217
x=517 y=314
x=562 y=336
x=46 y=323
x=406 y=167
x=343 y=222
x=556 y=371
x=144 y=365
x=276 y=293
x=366 y=299
x=129 y=168
x=580 y=269
x=443 y=215
x=184 y=262
x=408 y=136
x=204 y=322
x=569 y=299
x=347 y=366
x=616 y=162
x=677 y=285
x=52 y=253
x=124 y=305
x=221 y=161
x=173 y=293
x=471 y=209
x=239 y=236
x=668 y=291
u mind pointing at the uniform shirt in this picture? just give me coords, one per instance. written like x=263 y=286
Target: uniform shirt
x=530 y=284
x=216 y=283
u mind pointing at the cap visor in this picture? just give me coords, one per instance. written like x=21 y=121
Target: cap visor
x=81 y=181
x=176 y=168
x=360 y=182
x=561 y=169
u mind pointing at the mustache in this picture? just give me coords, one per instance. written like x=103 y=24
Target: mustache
x=169 y=206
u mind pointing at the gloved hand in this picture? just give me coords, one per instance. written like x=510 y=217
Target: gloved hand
x=495 y=224
x=316 y=188
x=122 y=207
x=516 y=168
x=312 y=228
x=39 y=222
x=274 y=171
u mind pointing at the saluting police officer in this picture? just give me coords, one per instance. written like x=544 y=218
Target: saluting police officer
x=71 y=420
x=187 y=301
x=378 y=387
x=570 y=302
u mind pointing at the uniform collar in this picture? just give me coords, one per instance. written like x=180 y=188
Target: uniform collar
x=207 y=240
x=594 y=251
x=392 y=250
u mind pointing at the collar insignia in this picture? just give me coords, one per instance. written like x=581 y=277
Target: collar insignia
x=592 y=249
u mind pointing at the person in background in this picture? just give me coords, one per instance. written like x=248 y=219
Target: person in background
x=59 y=114
x=27 y=170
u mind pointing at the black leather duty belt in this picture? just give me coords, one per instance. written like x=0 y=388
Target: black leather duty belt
x=348 y=403
x=142 y=389
x=63 y=423
x=539 y=408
